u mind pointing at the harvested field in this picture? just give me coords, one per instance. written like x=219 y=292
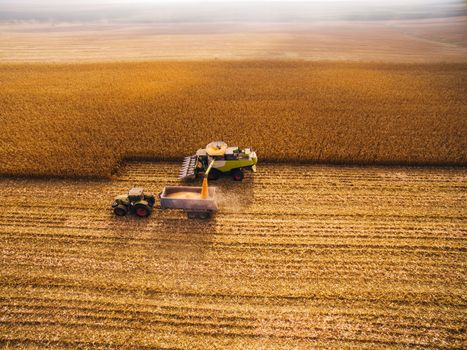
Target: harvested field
x=82 y=119
x=382 y=41
x=441 y=30
x=299 y=256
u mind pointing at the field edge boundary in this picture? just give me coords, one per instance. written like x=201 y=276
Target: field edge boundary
x=154 y=159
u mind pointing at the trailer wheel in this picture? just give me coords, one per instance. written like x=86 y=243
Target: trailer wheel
x=214 y=174
x=142 y=210
x=237 y=174
x=120 y=210
x=204 y=215
x=192 y=215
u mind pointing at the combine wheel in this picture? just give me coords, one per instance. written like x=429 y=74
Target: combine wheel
x=214 y=174
x=237 y=174
x=142 y=210
x=120 y=210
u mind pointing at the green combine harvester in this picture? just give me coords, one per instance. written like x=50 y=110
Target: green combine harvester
x=226 y=160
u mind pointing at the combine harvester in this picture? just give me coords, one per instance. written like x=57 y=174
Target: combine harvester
x=227 y=160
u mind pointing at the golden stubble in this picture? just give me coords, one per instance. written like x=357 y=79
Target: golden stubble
x=332 y=256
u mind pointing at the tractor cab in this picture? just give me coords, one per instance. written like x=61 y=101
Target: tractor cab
x=136 y=194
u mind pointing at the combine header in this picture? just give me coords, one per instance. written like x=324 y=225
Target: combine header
x=188 y=168
x=226 y=160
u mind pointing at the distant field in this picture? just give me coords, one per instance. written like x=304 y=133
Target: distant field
x=298 y=257
x=433 y=40
x=451 y=30
x=82 y=119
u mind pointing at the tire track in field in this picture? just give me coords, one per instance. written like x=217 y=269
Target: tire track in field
x=337 y=256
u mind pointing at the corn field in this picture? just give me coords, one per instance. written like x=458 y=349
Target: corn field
x=83 y=119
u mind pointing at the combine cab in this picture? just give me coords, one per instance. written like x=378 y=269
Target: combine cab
x=226 y=160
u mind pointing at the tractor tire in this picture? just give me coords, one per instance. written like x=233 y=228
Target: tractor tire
x=151 y=199
x=120 y=210
x=237 y=174
x=214 y=174
x=143 y=211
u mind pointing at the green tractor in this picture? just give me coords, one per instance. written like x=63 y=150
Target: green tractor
x=136 y=202
x=227 y=160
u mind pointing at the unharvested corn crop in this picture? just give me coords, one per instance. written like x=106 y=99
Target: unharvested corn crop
x=83 y=119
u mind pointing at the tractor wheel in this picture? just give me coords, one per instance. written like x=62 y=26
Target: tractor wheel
x=237 y=174
x=142 y=210
x=120 y=210
x=151 y=199
x=214 y=174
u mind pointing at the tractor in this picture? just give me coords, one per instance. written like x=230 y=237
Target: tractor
x=227 y=160
x=136 y=202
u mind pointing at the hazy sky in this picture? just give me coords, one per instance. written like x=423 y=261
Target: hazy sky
x=106 y=2
x=225 y=10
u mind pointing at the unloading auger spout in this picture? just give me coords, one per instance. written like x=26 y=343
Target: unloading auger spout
x=204 y=189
